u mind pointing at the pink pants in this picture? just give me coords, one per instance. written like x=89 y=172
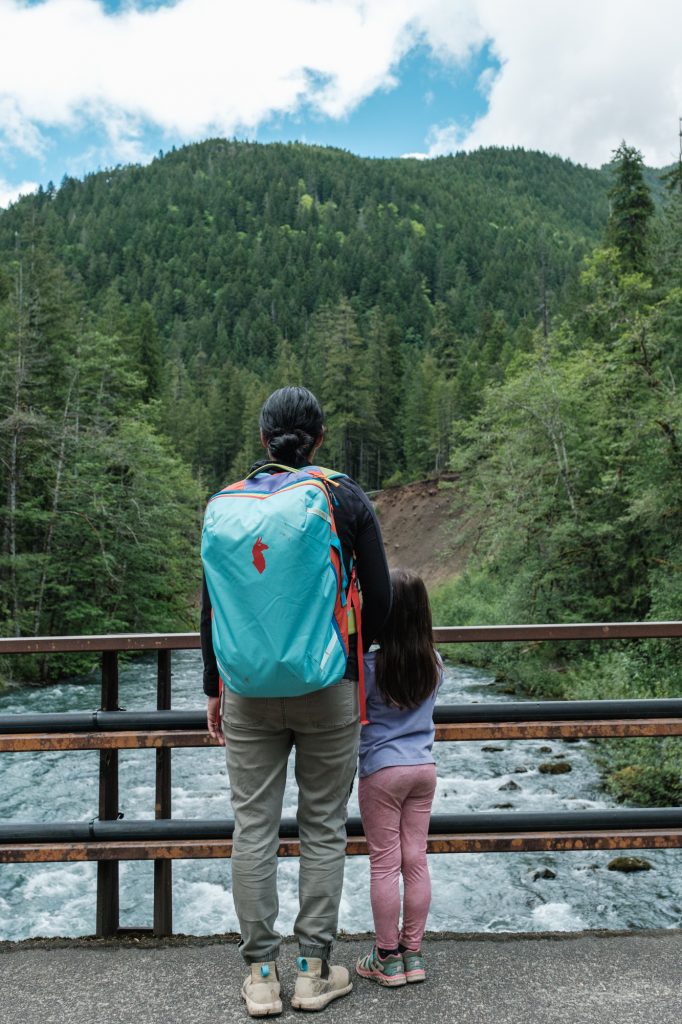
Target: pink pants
x=395 y=804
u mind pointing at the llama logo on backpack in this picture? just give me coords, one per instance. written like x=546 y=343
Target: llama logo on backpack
x=257 y=553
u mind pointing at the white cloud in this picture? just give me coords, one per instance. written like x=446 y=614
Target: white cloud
x=576 y=76
x=9 y=193
x=16 y=130
x=200 y=66
x=441 y=140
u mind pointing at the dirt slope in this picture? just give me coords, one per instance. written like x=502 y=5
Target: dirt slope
x=426 y=528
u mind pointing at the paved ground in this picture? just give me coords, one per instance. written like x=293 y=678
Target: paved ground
x=619 y=979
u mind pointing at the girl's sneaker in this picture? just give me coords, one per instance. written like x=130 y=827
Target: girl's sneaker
x=389 y=971
x=414 y=965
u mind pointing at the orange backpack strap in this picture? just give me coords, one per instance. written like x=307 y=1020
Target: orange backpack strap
x=355 y=605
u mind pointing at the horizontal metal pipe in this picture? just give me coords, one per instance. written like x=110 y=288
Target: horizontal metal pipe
x=441 y=824
x=148 y=720
x=69 y=721
x=104 y=721
x=442 y=634
x=557 y=710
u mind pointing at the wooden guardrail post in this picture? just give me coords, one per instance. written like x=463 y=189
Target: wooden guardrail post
x=107 y=870
x=163 y=869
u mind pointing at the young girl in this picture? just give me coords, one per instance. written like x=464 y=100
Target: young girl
x=398 y=780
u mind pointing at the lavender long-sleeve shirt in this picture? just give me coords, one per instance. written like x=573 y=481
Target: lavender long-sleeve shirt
x=394 y=736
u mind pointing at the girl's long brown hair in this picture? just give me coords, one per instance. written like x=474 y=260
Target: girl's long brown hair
x=407 y=666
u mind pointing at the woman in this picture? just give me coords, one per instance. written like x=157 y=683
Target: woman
x=322 y=726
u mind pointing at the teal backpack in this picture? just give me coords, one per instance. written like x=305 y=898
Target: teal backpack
x=279 y=592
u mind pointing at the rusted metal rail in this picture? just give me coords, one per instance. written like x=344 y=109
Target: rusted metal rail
x=441 y=635
x=527 y=720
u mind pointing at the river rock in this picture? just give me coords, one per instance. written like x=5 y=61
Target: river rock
x=511 y=785
x=543 y=873
x=552 y=768
x=503 y=807
x=545 y=750
x=490 y=749
x=520 y=770
x=628 y=864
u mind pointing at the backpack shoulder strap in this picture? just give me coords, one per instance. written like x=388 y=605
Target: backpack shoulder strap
x=331 y=475
x=271 y=465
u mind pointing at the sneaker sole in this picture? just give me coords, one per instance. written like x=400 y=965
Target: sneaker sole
x=262 y=1009
x=390 y=981
x=319 y=1002
x=413 y=976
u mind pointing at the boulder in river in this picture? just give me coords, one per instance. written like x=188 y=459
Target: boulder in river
x=543 y=873
x=490 y=749
x=503 y=807
x=628 y=864
x=554 y=768
x=509 y=785
x=520 y=770
x=545 y=750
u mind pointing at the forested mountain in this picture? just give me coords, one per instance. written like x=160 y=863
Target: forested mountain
x=225 y=268
x=449 y=313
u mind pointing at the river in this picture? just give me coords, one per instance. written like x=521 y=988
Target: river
x=471 y=892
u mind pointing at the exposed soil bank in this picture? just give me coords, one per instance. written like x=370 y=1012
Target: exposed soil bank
x=426 y=528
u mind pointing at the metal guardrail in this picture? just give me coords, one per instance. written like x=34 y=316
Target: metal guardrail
x=108 y=840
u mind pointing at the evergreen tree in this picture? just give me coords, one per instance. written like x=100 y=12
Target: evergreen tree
x=631 y=208
x=345 y=390
x=150 y=355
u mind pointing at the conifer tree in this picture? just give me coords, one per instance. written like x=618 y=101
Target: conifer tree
x=345 y=389
x=631 y=208
x=150 y=355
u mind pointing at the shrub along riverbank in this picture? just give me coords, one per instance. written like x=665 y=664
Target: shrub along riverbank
x=646 y=772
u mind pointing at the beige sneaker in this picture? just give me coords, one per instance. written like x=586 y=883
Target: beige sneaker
x=317 y=983
x=260 y=990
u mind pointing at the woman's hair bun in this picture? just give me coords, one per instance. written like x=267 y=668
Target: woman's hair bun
x=287 y=445
x=291 y=421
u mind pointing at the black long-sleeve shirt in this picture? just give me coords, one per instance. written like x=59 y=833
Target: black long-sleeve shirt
x=360 y=537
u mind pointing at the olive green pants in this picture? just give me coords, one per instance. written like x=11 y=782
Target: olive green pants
x=260 y=733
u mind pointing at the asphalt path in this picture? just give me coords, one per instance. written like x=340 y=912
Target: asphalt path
x=633 y=978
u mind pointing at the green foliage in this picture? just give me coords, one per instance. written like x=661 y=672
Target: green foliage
x=631 y=207
x=98 y=516
x=574 y=466
x=439 y=310
x=206 y=262
x=646 y=785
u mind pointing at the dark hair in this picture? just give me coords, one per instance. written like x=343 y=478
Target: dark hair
x=291 y=421
x=407 y=666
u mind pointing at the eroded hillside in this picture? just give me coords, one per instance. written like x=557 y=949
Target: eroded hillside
x=426 y=528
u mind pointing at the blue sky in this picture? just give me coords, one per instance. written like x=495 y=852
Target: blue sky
x=398 y=120
x=86 y=84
